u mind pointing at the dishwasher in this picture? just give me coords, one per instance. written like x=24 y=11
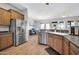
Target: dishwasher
x=42 y=37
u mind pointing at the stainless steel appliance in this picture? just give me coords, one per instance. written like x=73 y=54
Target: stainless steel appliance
x=42 y=37
x=17 y=29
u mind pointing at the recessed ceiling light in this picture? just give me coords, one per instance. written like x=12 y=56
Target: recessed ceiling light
x=47 y=3
x=63 y=16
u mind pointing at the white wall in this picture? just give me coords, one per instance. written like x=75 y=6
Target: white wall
x=37 y=25
x=27 y=23
x=31 y=23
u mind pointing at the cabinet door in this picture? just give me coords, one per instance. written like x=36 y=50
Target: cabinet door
x=22 y=17
x=50 y=40
x=16 y=15
x=0 y=43
x=7 y=18
x=9 y=39
x=3 y=42
x=58 y=43
x=13 y=14
x=74 y=50
x=65 y=46
x=4 y=17
x=0 y=16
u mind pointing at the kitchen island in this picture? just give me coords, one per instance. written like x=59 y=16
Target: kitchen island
x=63 y=43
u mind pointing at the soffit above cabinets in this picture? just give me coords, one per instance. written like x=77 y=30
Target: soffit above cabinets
x=41 y=11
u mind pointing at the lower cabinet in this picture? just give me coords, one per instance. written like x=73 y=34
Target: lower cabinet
x=50 y=40
x=66 y=46
x=62 y=45
x=5 y=41
x=58 y=43
x=73 y=49
x=55 y=42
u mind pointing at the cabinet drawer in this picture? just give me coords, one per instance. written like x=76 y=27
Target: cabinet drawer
x=4 y=17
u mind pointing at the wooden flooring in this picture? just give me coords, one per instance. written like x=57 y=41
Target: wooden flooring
x=29 y=48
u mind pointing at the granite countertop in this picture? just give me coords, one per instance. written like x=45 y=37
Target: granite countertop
x=3 y=33
x=71 y=38
x=57 y=33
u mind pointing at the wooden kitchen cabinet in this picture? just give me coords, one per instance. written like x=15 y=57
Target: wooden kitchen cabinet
x=6 y=40
x=57 y=43
x=66 y=46
x=73 y=49
x=9 y=39
x=3 y=43
x=50 y=40
x=62 y=45
x=16 y=15
x=4 y=17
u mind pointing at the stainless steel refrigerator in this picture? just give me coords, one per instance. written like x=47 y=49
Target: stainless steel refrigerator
x=18 y=31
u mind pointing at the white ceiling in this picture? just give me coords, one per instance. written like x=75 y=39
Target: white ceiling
x=39 y=11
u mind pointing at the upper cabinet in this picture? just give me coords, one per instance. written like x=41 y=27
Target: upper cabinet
x=7 y=15
x=4 y=17
x=16 y=15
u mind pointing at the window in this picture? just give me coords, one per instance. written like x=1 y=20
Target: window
x=54 y=25
x=47 y=26
x=61 y=25
x=70 y=23
x=42 y=26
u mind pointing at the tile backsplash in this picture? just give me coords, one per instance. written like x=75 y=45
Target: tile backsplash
x=4 y=28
